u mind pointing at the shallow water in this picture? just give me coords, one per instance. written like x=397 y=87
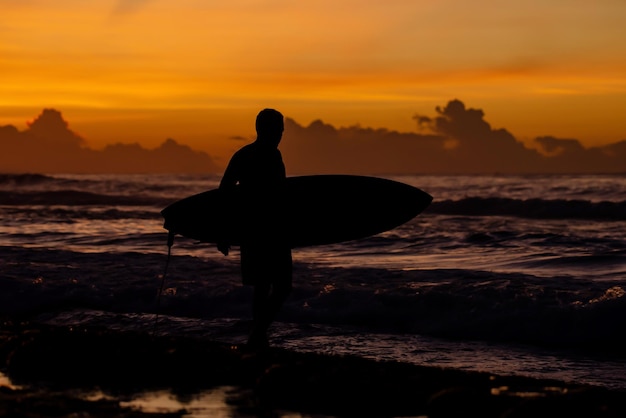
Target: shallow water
x=509 y=274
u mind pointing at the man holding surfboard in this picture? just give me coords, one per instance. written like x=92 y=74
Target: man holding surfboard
x=266 y=261
x=250 y=210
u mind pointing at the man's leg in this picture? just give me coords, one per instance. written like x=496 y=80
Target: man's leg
x=260 y=306
x=278 y=295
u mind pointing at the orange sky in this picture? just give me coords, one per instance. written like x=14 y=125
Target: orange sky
x=198 y=71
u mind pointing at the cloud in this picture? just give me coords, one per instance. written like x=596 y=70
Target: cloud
x=238 y=138
x=456 y=140
x=569 y=155
x=460 y=141
x=49 y=146
x=553 y=147
x=477 y=145
x=50 y=128
x=616 y=150
x=322 y=148
x=124 y=7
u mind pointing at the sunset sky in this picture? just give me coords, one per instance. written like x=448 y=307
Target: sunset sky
x=199 y=70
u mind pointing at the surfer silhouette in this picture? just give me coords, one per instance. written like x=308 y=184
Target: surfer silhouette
x=265 y=253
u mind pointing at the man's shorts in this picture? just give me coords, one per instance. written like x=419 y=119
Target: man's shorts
x=266 y=264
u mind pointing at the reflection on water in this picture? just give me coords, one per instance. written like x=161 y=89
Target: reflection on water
x=212 y=403
x=220 y=402
x=5 y=382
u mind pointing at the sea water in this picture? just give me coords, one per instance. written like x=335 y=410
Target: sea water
x=516 y=275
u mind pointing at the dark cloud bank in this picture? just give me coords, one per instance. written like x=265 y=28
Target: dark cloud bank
x=461 y=141
x=49 y=146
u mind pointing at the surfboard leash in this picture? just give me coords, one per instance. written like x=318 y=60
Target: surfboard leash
x=170 y=243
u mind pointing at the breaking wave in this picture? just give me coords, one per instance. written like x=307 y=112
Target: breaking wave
x=531 y=208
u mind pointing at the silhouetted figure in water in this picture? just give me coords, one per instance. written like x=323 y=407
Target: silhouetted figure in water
x=266 y=261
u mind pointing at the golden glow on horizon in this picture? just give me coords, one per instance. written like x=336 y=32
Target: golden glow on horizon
x=345 y=62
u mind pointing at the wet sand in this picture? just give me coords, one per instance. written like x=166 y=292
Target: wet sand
x=51 y=366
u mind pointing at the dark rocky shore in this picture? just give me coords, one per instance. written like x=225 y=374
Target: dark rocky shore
x=51 y=365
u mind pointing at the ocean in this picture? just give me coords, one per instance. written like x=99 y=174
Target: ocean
x=513 y=275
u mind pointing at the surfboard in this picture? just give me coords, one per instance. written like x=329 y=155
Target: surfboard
x=320 y=210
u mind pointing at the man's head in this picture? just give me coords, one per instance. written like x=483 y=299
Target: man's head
x=269 y=126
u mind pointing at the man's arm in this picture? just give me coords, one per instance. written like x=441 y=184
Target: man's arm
x=230 y=177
